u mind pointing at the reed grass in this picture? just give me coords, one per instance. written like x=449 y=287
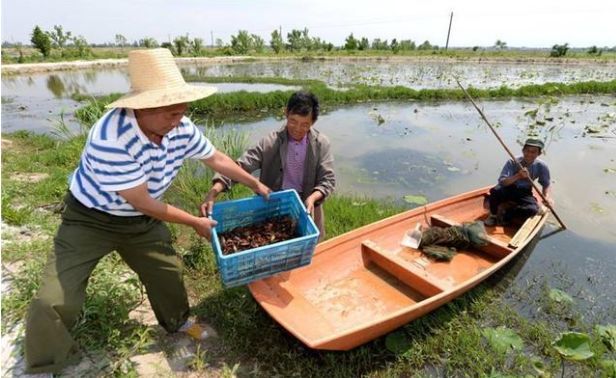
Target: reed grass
x=225 y=105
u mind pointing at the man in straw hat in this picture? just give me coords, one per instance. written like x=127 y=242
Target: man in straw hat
x=514 y=186
x=131 y=156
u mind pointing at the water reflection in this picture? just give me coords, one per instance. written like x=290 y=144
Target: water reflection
x=574 y=263
x=412 y=170
x=56 y=86
x=504 y=278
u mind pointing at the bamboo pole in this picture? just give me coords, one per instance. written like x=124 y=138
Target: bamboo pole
x=545 y=201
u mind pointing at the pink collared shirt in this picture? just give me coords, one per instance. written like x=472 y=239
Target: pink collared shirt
x=293 y=171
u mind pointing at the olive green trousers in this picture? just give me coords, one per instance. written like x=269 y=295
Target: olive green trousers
x=84 y=237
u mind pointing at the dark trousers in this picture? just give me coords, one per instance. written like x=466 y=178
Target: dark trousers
x=84 y=237
x=525 y=203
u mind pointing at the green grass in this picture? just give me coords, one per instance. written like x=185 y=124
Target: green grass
x=251 y=104
x=447 y=342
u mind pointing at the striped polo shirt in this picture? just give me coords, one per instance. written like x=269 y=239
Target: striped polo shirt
x=118 y=156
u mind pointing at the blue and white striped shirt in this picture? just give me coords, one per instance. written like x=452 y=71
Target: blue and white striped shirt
x=118 y=156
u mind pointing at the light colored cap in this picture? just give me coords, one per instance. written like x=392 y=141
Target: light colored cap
x=156 y=81
x=534 y=143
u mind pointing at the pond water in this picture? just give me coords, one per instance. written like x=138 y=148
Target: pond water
x=441 y=149
x=437 y=150
x=413 y=74
x=34 y=102
x=389 y=150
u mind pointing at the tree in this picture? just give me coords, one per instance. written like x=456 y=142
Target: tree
x=196 y=46
x=148 y=43
x=407 y=45
x=500 y=44
x=59 y=37
x=295 y=40
x=364 y=44
x=559 y=50
x=594 y=51
x=258 y=43
x=350 y=43
x=41 y=41
x=120 y=40
x=378 y=44
x=395 y=46
x=276 y=43
x=425 y=46
x=181 y=44
x=307 y=42
x=82 y=46
x=242 y=43
x=317 y=44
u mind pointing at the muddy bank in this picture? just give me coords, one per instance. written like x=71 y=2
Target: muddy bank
x=16 y=69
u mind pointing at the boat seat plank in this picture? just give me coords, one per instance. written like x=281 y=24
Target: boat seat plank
x=495 y=247
x=414 y=277
x=526 y=229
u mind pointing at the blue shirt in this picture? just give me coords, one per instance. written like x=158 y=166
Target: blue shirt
x=118 y=156
x=537 y=170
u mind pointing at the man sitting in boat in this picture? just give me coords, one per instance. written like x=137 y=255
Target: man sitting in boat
x=514 y=186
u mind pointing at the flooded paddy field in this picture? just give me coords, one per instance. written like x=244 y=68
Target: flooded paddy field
x=416 y=75
x=35 y=102
x=399 y=151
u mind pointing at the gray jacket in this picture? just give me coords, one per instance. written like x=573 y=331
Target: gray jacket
x=270 y=153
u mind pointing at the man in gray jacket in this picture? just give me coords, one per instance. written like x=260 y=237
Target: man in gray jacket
x=294 y=157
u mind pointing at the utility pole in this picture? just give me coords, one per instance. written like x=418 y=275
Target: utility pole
x=449 y=31
x=280 y=30
x=212 y=38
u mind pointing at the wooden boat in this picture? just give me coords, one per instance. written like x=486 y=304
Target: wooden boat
x=364 y=284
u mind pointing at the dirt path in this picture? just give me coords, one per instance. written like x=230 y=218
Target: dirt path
x=176 y=355
x=29 y=68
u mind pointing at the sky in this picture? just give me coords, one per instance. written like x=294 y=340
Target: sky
x=519 y=23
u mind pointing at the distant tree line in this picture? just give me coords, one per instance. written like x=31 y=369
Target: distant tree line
x=66 y=44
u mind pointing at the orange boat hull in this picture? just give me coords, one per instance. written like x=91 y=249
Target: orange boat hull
x=364 y=284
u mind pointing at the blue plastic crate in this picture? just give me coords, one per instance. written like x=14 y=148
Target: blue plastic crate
x=253 y=264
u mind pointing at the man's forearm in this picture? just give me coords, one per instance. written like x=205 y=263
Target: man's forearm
x=227 y=167
x=509 y=180
x=165 y=212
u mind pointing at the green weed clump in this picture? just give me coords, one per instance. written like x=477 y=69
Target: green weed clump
x=225 y=105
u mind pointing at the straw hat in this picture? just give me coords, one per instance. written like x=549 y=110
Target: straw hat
x=156 y=81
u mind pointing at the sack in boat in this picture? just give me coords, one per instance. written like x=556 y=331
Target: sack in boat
x=439 y=252
x=476 y=233
x=441 y=243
